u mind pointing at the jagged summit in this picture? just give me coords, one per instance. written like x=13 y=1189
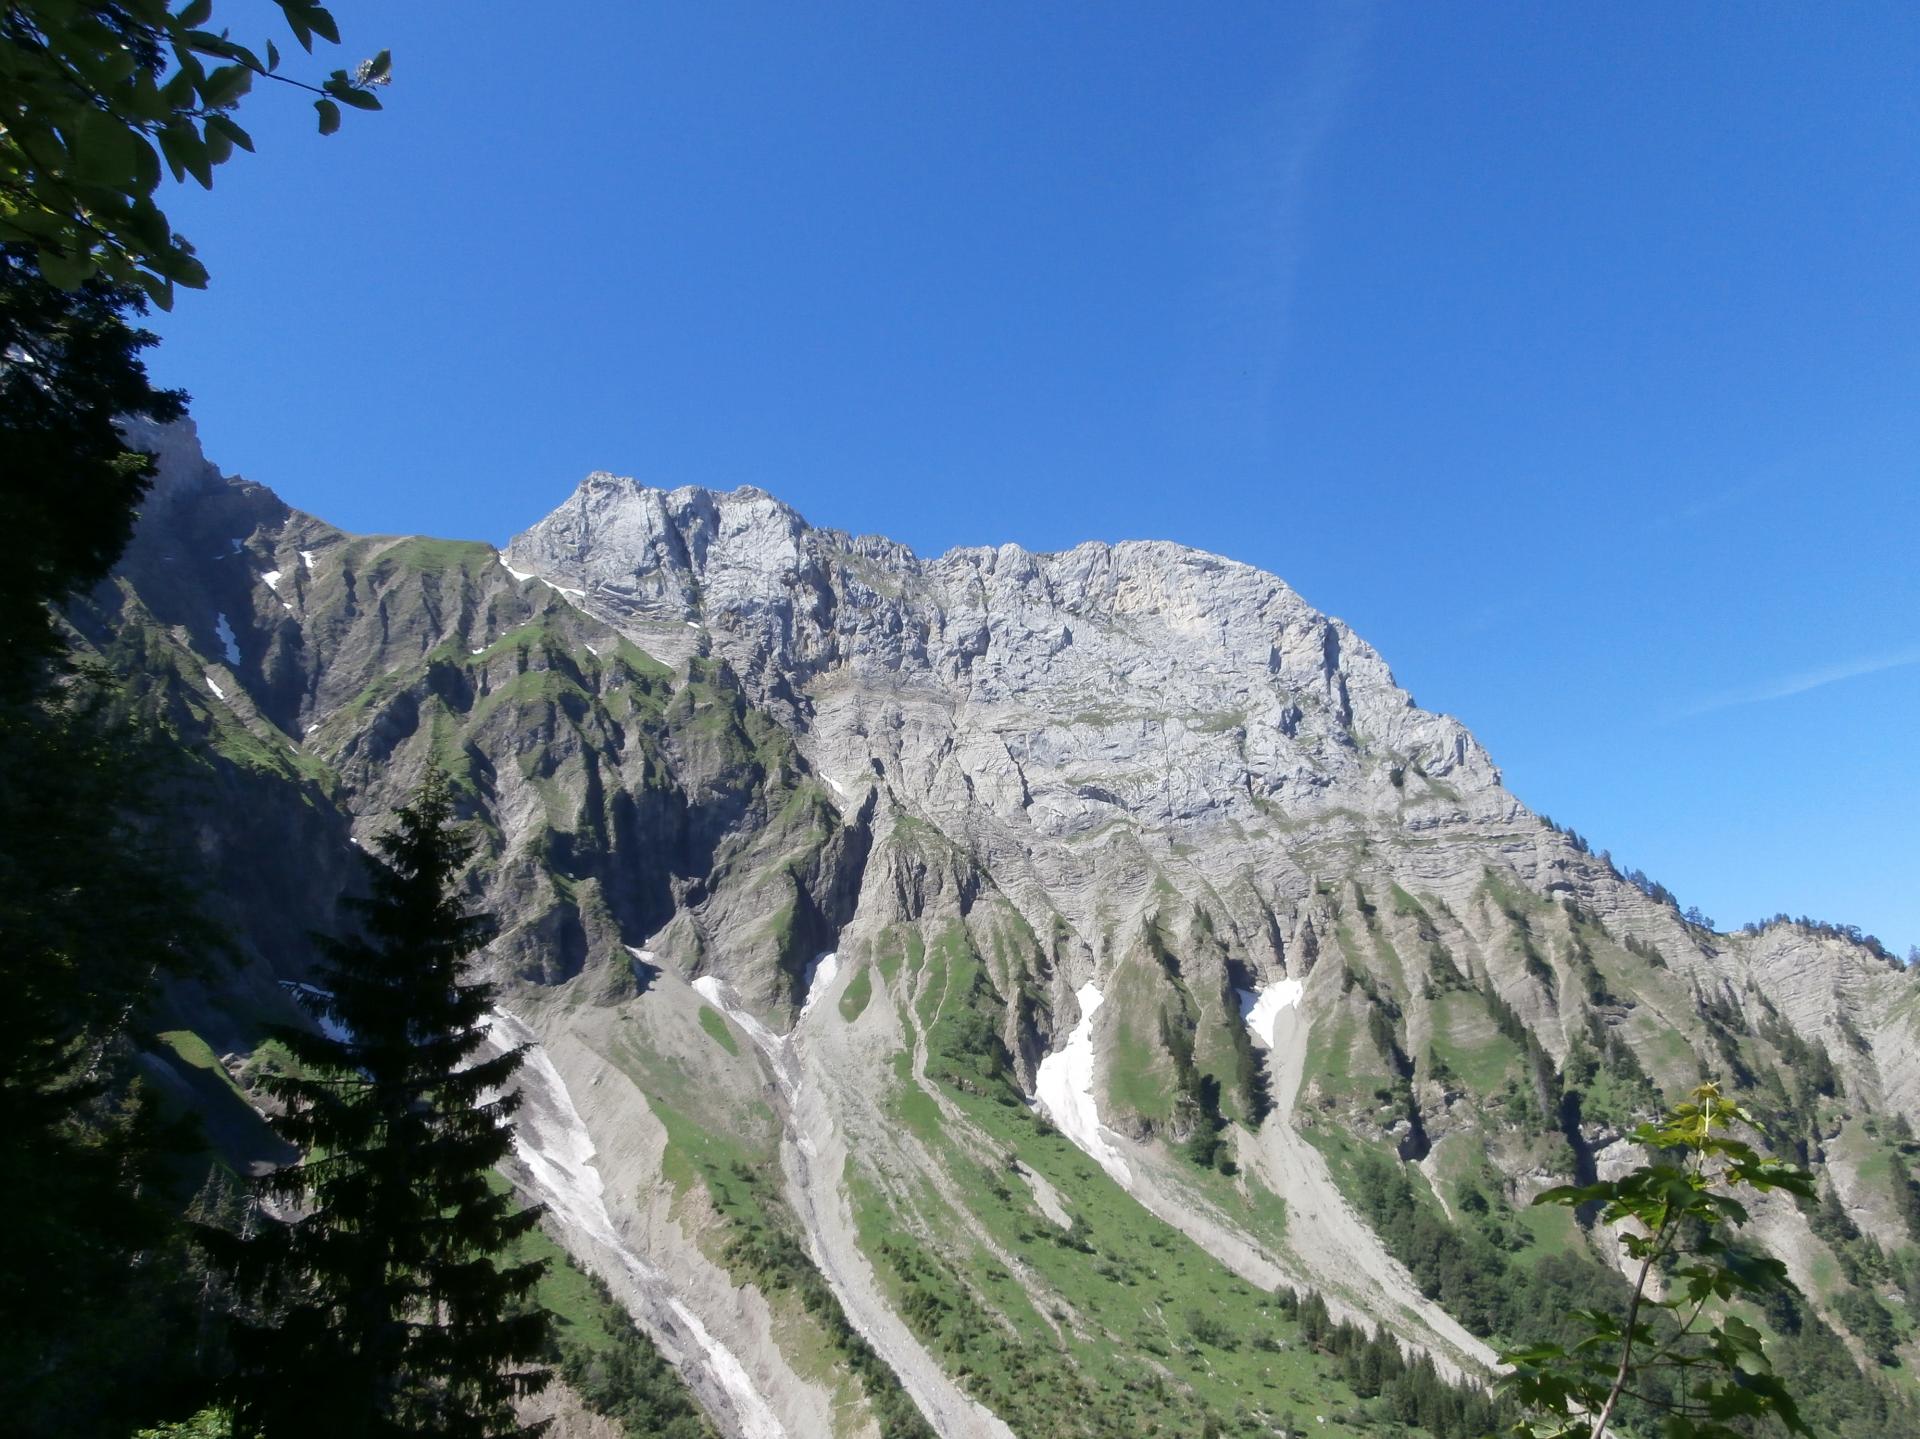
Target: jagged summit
x=1145 y=678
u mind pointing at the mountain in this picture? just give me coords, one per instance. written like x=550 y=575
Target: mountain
x=992 y=993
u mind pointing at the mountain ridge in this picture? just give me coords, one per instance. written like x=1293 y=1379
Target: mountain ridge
x=1122 y=797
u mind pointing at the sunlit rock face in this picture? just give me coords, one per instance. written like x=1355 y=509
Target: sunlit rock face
x=1064 y=712
x=927 y=909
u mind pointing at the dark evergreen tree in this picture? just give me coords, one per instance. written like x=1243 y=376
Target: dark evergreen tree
x=385 y=1306
x=92 y=906
x=69 y=484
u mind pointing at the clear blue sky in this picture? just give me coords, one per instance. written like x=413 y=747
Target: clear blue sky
x=1570 y=353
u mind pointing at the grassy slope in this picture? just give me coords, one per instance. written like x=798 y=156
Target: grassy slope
x=1119 y=1326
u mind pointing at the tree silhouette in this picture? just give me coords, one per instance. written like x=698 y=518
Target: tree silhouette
x=385 y=1306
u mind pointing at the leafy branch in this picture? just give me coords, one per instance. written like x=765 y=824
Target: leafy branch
x=99 y=98
x=1674 y=1213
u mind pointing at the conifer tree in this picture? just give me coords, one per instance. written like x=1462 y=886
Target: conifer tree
x=69 y=485
x=387 y=1307
x=94 y=904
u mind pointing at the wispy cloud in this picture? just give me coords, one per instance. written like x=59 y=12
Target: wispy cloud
x=1799 y=684
x=1687 y=515
x=1262 y=189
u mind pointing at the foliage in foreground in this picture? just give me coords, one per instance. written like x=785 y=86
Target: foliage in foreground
x=1680 y=1351
x=96 y=94
x=97 y=1300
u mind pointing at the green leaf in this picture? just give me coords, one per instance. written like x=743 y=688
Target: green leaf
x=329 y=116
x=64 y=269
x=221 y=45
x=344 y=90
x=146 y=169
x=232 y=131
x=186 y=152
x=177 y=93
x=195 y=14
x=219 y=145
x=225 y=86
x=105 y=69
x=1573 y=1196
x=178 y=265
x=43 y=147
x=273 y=58
x=379 y=67
x=32 y=225
x=158 y=290
x=105 y=151
x=302 y=32
x=145 y=221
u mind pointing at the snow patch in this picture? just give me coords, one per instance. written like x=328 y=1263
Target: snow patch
x=312 y=727
x=482 y=650
x=694 y=625
x=306 y=560
x=523 y=578
x=1260 y=1008
x=552 y=1141
x=329 y=1026
x=570 y=594
x=818 y=977
x=714 y=990
x=835 y=785
x=1063 y=1086
x=213 y=684
x=271 y=579
x=223 y=632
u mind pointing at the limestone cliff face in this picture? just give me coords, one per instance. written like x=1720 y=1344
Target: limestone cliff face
x=1131 y=809
x=1144 y=680
x=1095 y=727
x=1079 y=723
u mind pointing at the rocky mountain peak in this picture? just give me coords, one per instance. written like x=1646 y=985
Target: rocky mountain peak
x=183 y=470
x=1143 y=674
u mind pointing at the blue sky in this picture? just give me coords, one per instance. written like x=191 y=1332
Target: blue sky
x=1569 y=353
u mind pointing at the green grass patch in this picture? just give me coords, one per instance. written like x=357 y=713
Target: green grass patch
x=1116 y=1284
x=531 y=687
x=932 y=991
x=854 y=998
x=602 y=1353
x=715 y=1025
x=1466 y=1038
x=194 y=1052
x=428 y=556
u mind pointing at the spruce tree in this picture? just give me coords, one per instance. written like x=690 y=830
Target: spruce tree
x=70 y=486
x=95 y=902
x=386 y=1305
